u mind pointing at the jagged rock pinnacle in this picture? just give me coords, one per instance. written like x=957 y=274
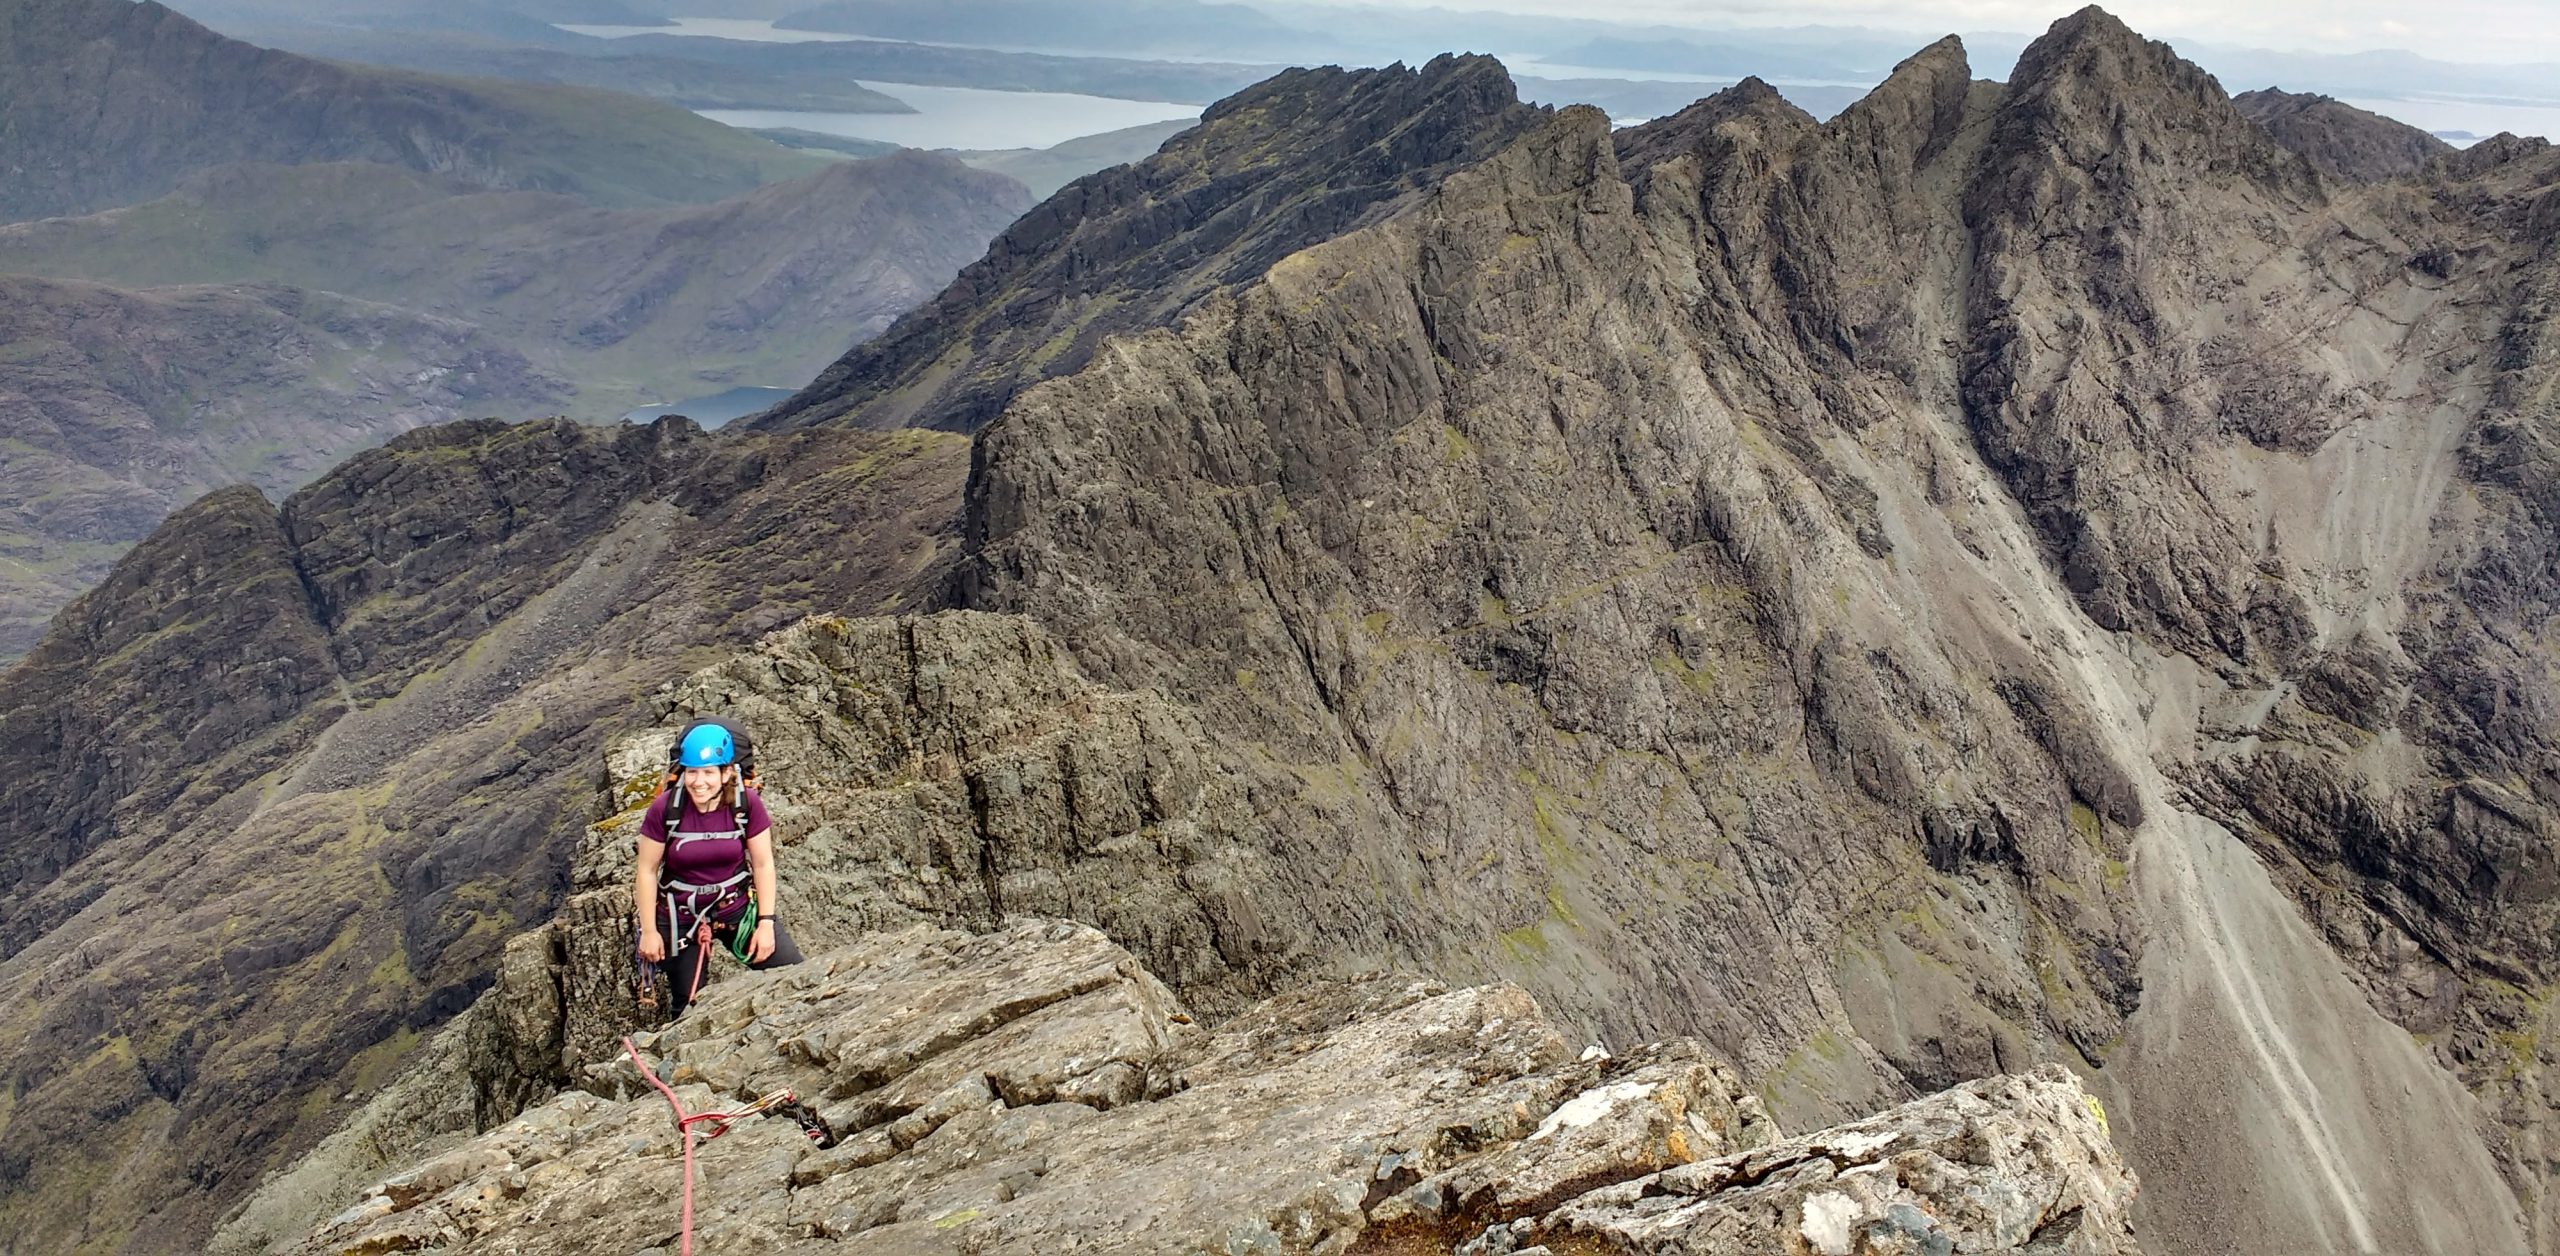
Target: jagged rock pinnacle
x=1290 y=161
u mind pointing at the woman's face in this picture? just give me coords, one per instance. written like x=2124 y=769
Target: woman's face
x=703 y=784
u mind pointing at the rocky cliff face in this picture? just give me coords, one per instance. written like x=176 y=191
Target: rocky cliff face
x=2340 y=139
x=2015 y=575
x=109 y=102
x=1279 y=166
x=1063 y=1097
x=1899 y=546
x=270 y=883
x=122 y=405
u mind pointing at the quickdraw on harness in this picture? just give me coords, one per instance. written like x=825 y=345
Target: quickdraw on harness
x=780 y=1103
x=644 y=981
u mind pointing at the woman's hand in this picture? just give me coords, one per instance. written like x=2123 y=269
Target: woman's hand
x=761 y=948
x=652 y=947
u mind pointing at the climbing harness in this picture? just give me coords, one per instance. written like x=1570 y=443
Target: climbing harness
x=694 y=909
x=780 y=1103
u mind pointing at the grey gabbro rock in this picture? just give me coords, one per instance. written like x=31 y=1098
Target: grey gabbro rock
x=1036 y=1090
x=2014 y=1163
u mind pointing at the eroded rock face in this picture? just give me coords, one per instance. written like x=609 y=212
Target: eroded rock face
x=1035 y=1090
x=1869 y=544
x=1523 y=556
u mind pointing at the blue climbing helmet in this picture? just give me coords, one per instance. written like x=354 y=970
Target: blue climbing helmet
x=707 y=746
x=724 y=738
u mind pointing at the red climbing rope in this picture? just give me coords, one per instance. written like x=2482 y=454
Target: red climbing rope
x=684 y=1132
x=701 y=956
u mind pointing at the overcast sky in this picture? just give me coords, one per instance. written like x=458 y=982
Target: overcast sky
x=2453 y=30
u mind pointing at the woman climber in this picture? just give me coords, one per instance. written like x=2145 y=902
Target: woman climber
x=722 y=841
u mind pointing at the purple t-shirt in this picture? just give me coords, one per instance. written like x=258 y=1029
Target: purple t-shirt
x=703 y=862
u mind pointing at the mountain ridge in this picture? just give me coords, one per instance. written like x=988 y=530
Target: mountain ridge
x=2005 y=577
x=1207 y=191
x=2061 y=203
x=124 y=403
x=498 y=304
x=2340 y=139
x=110 y=102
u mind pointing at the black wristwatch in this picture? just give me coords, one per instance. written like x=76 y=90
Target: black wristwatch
x=768 y=920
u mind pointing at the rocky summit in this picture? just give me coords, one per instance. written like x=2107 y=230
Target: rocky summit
x=2021 y=576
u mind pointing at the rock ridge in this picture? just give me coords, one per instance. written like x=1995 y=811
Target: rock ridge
x=1034 y=1089
x=2341 y=140
x=1293 y=160
x=2002 y=458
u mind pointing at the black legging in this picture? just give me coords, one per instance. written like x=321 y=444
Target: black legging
x=677 y=971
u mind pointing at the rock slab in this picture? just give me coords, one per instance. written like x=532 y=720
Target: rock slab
x=1036 y=1090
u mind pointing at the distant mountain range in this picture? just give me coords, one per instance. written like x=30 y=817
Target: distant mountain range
x=404 y=250
x=748 y=74
x=692 y=82
x=111 y=103
x=117 y=407
x=1631 y=70
x=629 y=305
x=500 y=19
